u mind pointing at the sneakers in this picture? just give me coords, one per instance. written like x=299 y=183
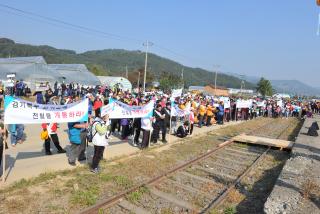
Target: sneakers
x=82 y=159
x=71 y=163
x=48 y=153
x=134 y=144
x=164 y=141
x=95 y=170
x=62 y=151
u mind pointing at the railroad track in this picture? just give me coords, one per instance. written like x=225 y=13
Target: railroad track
x=197 y=185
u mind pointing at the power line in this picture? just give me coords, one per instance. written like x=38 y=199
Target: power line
x=68 y=23
x=70 y=26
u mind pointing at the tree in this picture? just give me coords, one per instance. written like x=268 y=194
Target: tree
x=170 y=81
x=264 y=87
x=97 y=70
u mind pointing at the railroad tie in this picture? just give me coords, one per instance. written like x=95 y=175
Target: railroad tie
x=257 y=150
x=190 y=188
x=243 y=152
x=236 y=155
x=231 y=167
x=173 y=199
x=228 y=159
x=216 y=174
x=196 y=177
x=132 y=208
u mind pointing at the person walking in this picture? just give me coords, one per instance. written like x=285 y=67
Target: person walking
x=209 y=114
x=202 y=111
x=52 y=136
x=99 y=140
x=136 y=130
x=159 y=121
x=3 y=134
x=146 y=126
x=16 y=133
x=220 y=113
x=191 y=120
x=97 y=104
x=76 y=141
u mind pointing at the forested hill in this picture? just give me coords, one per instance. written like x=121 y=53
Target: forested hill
x=114 y=61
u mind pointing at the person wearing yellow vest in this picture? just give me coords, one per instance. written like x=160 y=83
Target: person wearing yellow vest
x=209 y=114
x=202 y=111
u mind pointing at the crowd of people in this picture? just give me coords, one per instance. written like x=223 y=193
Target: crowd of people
x=197 y=109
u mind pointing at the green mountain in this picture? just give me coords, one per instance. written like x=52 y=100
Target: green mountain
x=114 y=61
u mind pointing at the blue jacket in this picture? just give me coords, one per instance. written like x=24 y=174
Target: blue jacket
x=39 y=98
x=221 y=110
x=74 y=133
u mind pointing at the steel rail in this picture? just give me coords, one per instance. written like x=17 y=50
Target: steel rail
x=217 y=201
x=114 y=199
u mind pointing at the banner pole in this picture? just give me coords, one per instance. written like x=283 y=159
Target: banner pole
x=189 y=124
x=149 y=136
x=236 y=114
x=170 y=126
x=4 y=156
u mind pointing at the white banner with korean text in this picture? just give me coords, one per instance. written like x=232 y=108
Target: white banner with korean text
x=18 y=111
x=176 y=93
x=244 y=104
x=226 y=101
x=117 y=110
x=177 y=111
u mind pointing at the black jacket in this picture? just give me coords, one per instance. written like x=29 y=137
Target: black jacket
x=181 y=132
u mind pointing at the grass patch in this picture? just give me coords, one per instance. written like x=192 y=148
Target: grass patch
x=85 y=197
x=137 y=195
x=105 y=177
x=123 y=181
x=235 y=196
x=54 y=208
x=230 y=210
x=23 y=183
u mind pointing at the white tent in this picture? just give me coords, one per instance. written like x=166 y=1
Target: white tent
x=112 y=82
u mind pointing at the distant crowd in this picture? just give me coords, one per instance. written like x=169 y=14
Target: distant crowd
x=197 y=109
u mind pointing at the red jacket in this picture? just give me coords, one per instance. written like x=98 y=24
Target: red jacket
x=54 y=127
x=97 y=104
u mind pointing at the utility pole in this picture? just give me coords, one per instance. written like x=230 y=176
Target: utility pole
x=139 y=80
x=242 y=84
x=215 y=78
x=147 y=44
x=215 y=82
x=182 y=77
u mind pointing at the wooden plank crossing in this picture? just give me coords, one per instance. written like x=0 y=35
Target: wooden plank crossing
x=282 y=144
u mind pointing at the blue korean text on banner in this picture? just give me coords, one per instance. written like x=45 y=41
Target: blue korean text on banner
x=19 y=111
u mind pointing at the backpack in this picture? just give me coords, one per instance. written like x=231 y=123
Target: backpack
x=44 y=135
x=90 y=134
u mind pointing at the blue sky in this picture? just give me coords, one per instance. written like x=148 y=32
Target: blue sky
x=275 y=38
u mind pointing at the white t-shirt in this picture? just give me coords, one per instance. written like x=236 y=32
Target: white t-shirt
x=146 y=123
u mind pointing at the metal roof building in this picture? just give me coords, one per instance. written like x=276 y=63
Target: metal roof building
x=77 y=73
x=34 y=70
x=111 y=82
